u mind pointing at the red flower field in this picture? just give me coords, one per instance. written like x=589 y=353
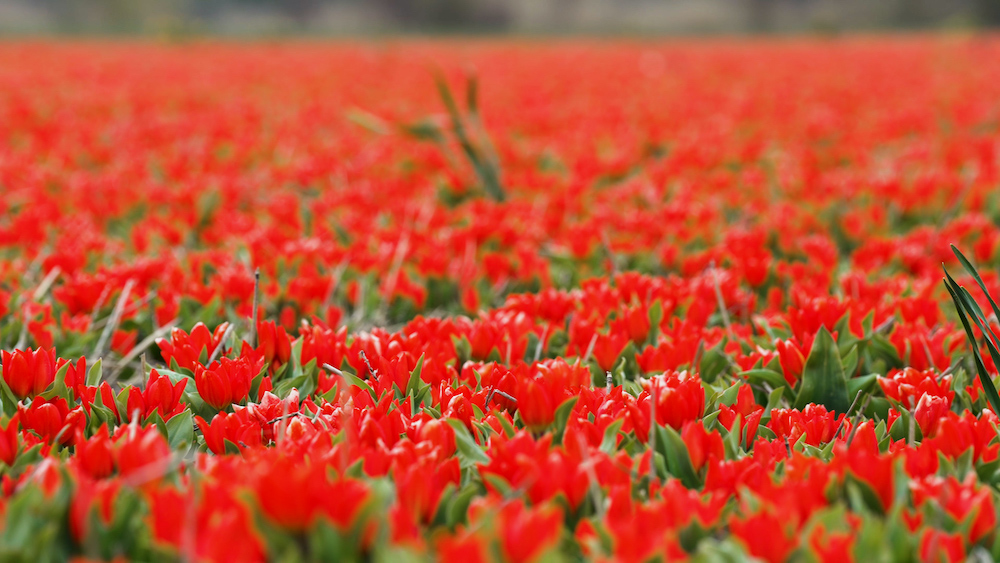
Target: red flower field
x=517 y=301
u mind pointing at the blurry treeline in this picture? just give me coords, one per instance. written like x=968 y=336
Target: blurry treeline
x=350 y=17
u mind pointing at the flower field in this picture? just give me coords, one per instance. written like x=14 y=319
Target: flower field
x=477 y=300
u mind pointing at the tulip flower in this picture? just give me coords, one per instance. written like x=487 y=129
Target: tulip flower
x=792 y=359
x=53 y=419
x=225 y=382
x=9 y=441
x=29 y=372
x=94 y=456
x=274 y=344
x=703 y=446
x=159 y=396
x=190 y=350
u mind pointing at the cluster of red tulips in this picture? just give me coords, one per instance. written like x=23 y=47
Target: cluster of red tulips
x=499 y=301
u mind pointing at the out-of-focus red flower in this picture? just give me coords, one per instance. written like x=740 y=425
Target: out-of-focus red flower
x=792 y=358
x=832 y=546
x=526 y=533
x=89 y=495
x=274 y=344
x=141 y=454
x=293 y=494
x=29 y=372
x=94 y=457
x=941 y=547
x=765 y=536
x=679 y=399
x=702 y=445
x=9 y=440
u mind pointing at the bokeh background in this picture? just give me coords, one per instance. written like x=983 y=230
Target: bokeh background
x=364 y=17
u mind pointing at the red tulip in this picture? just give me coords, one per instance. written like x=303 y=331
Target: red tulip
x=703 y=446
x=94 y=456
x=9 y=441
x=53 y=419
x=792 y=359
x=225 y=382
x=76 y=375
x=526 y=533
x=28 y=372
x=189 y=350
x=440 y=434
x=159 y=396
x=274 y=343
x=943 y=547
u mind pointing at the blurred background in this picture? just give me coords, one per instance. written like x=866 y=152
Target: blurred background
x=362 y=17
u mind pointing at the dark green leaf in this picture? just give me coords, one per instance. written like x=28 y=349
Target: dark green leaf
x=823 y=380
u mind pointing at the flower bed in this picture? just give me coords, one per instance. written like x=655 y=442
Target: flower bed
x=607 y=300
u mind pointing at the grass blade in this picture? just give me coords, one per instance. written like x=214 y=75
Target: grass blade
x=991 y=391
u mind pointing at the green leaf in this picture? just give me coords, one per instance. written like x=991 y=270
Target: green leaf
x=358 y=382
x=773 y=400
x=180 y=429
x=59 y=388
x=562 y=416
x=459 y=505
x=860 y=384
x=984 y=377
x=487 y=172
x=508 y=428
x=469 y=452
x=655 y=315
x=850 y=361
x=285 y=386
x=975 y=275
x=675 y=452
x=713 y=362
x=95 y=373
x=610 y=441
x=823 y=380
x=760 y=376
x=413 y=385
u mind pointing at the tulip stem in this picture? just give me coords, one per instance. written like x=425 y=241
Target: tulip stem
x=43 y=287
x=541 y=343
x=221 y=344
x=857 y=416
x=722 y=303
x=652 y=431
x=256 y=300
x=590 y=348
x=140 y=348
x=364 y=357
x=116 y=316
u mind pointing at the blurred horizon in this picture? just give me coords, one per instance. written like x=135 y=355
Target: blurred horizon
x=248 y=18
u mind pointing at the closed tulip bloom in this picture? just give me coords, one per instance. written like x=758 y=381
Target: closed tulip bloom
x=28 y=372
x=535 y=405
x=9 y=442
x=273 y=342
x=226 y=382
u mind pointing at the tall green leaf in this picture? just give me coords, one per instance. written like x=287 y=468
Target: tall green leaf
x=823 y=379
x=958 y=296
